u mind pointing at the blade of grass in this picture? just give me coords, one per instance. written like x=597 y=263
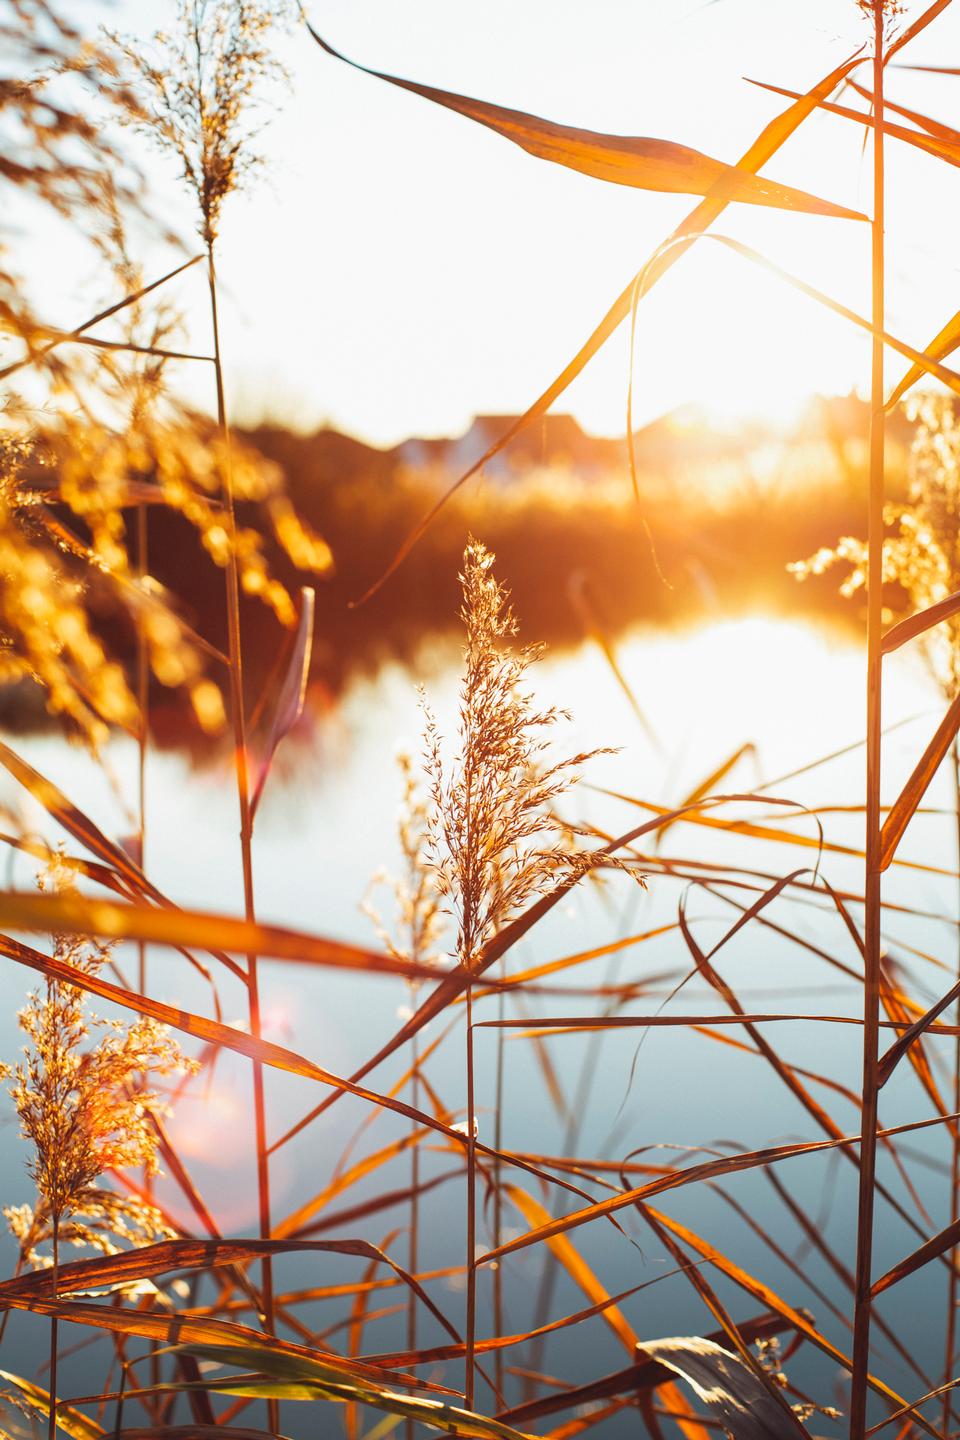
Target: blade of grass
x=639 y=161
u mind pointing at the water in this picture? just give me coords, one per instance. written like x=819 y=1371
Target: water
x=327 y=824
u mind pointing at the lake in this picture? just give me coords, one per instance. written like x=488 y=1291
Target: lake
x=327 y=824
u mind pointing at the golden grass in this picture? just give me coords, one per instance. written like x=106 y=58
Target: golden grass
x=489 y=840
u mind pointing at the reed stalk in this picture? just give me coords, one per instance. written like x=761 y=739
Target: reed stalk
x=413 y=1246
x=497 y=1188
x=951 y=1338
x=471 y=1155
x=241 y=764
x=872 y=879
x=54 y=1326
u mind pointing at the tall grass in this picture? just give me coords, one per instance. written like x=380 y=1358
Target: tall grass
x=493 y=843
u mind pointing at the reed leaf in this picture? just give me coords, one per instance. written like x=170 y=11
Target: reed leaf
x=645 y=164
x=768 y=142
x=69 y=1419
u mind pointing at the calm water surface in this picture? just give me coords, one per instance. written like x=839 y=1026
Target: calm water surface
x=327 y=824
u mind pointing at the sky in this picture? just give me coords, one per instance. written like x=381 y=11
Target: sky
x=396 y=268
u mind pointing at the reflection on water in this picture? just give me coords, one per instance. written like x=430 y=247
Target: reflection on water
x=328 y=824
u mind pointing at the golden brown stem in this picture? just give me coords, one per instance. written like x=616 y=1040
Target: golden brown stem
x=471 y=1328
x=55 y=1276
x=246 y=822
x=951 y=1341
x=871 y=979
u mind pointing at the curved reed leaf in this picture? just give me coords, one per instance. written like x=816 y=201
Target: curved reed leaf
x=767 y=143
x=293 y=673
x=916 y=787
x=730 y=1389
x=920 y=623
x=76 y=915
x=646 y=1374
x=178 y=1255
x=211 y=1031
x=638 y=161
x=301 y=1378
x=69 y=1419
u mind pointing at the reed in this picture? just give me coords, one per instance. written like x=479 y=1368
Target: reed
x=491 y=842
x=198 y=89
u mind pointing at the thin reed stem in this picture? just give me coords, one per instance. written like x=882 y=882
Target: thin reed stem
x=951 y=1341
x=54 y=1345
x=246 y=822
x=497 y=1191
x=872 y=916
x=143 y=744
x=471 y=1328
x=143 y=738
x=413 y=1248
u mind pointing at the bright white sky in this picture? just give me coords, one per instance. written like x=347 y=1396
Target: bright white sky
x=400 y=268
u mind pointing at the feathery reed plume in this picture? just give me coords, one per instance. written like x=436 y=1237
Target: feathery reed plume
x=201 y=91
x=889 y=10
x=921 y=547
x=494 y=840
x=80 y=1095
x=416 y=925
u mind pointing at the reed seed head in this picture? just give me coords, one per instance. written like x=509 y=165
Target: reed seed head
x=494 y=840
x=82 y=1097
x=200 y=89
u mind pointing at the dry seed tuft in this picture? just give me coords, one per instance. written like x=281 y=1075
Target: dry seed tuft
x=198 y=89
x=82 y=1097
x=494 y=839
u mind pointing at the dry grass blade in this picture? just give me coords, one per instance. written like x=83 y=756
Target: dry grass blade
x=574 y=1264
x=43 y=914
x=707 y=786
x=919 y=624
x=944 y=343
x=731 y=1390
x=453 y=985
x=294 y=668
x=211 y=1031
x=916 y=787
x=170 y=1255
x=903 y=1011
x=505 y=1342
x=757 y=1397
x=70 y=1420
x=646 y=164
x=73 y=820
x=895 y=1054
x=927 y=363
x=241 y=1344
x=302 y=1378
x=578 y=588
x=708 y=1170
x=915 y=28
x=196 y=1431
x=933 y=127
x=936 y=1246
x=89 y=869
